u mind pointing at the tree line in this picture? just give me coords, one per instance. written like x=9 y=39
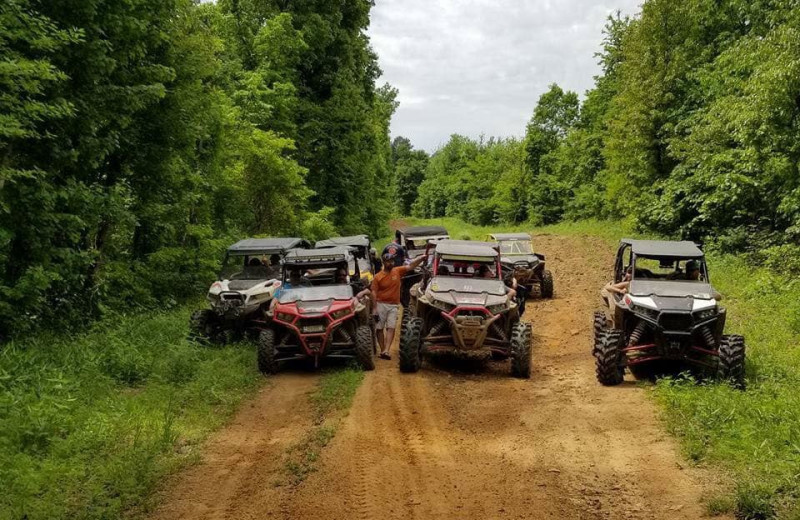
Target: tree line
x=138 y=138
x=692 y=129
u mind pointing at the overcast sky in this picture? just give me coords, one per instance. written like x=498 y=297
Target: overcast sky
x=478 y=66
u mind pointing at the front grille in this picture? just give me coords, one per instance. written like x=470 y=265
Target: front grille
x=313 y=325
x=678 y=322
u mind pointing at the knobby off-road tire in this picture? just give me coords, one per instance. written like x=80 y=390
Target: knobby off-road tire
x=410 y=338
x=365 y=347
x=547 y=284
x=730 y=365
x=600 y=323
x=203 y=327
x=267 y=352
x=608 y=357
x=521 y=339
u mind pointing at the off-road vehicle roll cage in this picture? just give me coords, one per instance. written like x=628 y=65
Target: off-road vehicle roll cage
x=463 y=307
x=525 y=265
x=317 y=314
x=360 y=246
x=670 y=311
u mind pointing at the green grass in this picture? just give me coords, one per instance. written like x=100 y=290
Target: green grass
x=90 y=424
x=330 y=402
x=752 y=435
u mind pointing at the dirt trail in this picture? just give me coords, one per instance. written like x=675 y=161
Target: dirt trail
x=448 y=444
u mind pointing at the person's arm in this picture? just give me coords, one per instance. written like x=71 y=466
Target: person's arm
x=619 y=288
x=417 y=262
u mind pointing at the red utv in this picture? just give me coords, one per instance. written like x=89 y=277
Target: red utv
x=317 y=314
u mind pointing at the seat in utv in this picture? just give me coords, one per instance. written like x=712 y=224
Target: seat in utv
x=318 y=312
x=245 y=286
x=463 y=308
x=668 y=312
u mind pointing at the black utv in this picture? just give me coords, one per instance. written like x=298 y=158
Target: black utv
x=666 y=310
x=415 y=241
x=520 y=261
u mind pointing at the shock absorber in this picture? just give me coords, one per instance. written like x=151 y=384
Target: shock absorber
x=637 y=333
x=708 y=337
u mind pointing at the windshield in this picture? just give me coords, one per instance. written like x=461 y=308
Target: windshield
x=672 y=269
x=308 y=294
x=467 y=268
x=250 y=267
x=516 y=247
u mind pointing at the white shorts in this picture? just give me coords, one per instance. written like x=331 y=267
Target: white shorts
x=387 y=316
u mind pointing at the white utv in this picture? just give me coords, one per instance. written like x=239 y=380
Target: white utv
x=247 y=282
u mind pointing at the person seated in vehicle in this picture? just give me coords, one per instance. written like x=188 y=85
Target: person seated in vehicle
x=443 y=271
x=373 y=258
x=613 y=291
x=483 y=271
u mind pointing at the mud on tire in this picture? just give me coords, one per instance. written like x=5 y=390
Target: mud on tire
x=410 y=337
x=608 y=356
x=547 y=284
x=600 y=322
x=365 y=347
x=521 y=338
x=266 y=352
x=730 y=365
x=203 y=327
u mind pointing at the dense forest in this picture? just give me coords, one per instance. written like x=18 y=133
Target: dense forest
x=692 y=129
x=138 y=138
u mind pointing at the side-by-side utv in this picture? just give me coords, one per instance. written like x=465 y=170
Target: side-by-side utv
x=317 y=313
x=668 y=311
x=240 y=297
x=463 y=308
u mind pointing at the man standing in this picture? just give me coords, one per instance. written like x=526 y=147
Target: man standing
x=386 y=296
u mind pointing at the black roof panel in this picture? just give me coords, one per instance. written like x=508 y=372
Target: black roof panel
x=266 y=245
x=328 y=254
x=664 y=248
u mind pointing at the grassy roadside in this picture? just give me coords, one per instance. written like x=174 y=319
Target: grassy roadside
x=753 y=435
x=90 y=424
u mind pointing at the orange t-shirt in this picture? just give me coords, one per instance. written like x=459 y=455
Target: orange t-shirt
x=386 y=285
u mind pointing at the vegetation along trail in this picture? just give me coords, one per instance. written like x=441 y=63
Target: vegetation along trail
x=447 y=443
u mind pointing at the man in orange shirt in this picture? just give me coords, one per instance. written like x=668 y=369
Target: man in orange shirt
x=386 y=286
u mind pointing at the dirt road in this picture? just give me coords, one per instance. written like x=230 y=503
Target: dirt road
x=450 y=444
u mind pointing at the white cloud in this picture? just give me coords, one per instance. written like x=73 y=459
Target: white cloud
x=478 y=66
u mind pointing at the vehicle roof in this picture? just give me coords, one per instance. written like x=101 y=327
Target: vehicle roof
x=414 y=231
x=325 y=255
x=493 y=245
x=466 y=248
x=355 y=241
x=664 y=248
x=266 y=245
x=510 y=236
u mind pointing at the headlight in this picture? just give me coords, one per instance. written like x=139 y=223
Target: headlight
x=282 y=316
x=442 y=306
x=706 y=314
x=342 y=313
x=644 y=311
x=496 y=309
